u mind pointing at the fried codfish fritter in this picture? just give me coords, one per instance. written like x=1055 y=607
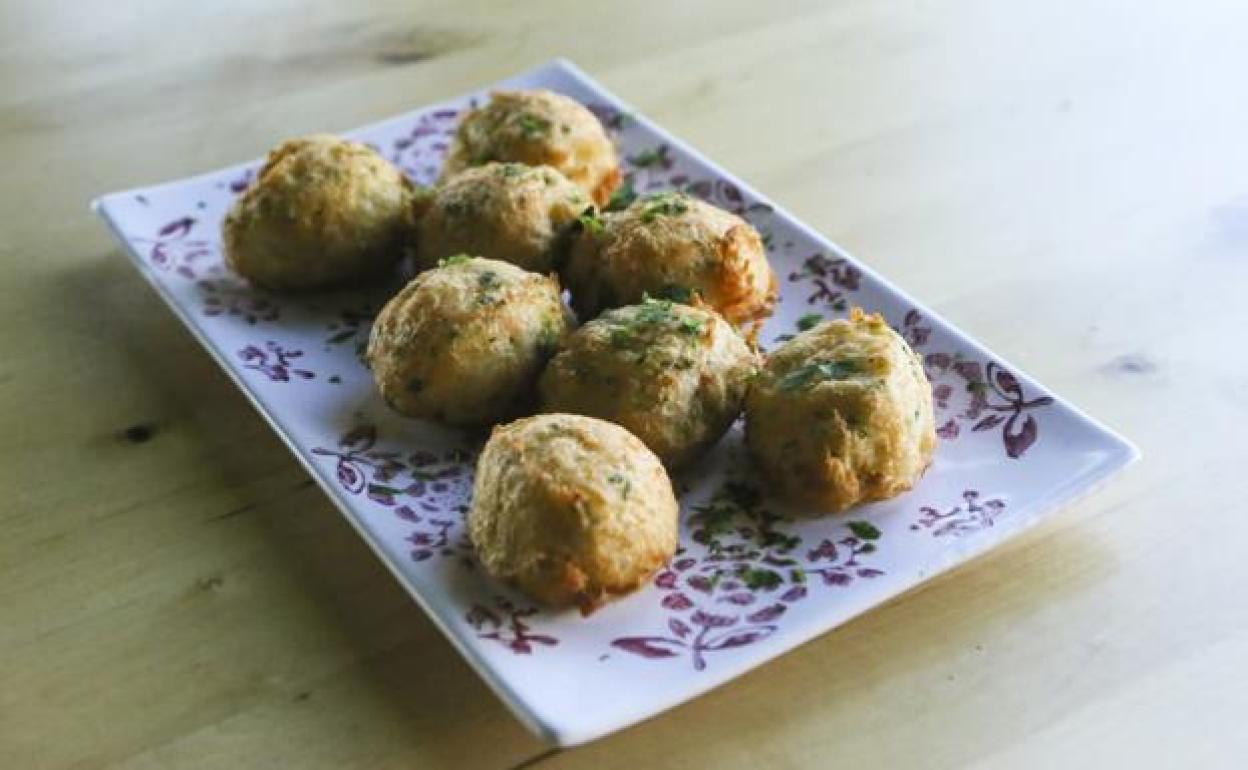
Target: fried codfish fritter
x=672 y=374
x=321 y=213
x=675 y=246
x=538 y=128
x=571 y=509
x=464 y=343
x=842 y=414
x=507 y=211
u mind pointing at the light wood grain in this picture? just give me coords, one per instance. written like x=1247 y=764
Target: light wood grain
x=1066 y=181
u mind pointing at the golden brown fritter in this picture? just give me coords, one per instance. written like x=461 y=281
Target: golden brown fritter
x=538 y=128
x=672 y=374
x=322 y=212
x=842 y=414
x=507 y=211
x=675 y=246
x=465 y=343
x=571 y=509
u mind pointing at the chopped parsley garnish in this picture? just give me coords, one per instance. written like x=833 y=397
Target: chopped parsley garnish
x=865 y=530
x=511 y=169
x=756 y=578
x=621 y=336
x=808 y=321
x=622 y=198
x=655 y=156
x=619 y=120
x=631 y=330
x=548 y=341
x=681 y=294
x=590 y=222
x=814 y=373
x=618 y=480
x=654 y=311
x=488 y=281
x=458 y=259
x=532 y=126
x=663 y=204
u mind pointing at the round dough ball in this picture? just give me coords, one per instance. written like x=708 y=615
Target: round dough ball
x=538 y=128
x=322 y=212
x=672 y=374
x=842 y=414
x=571 y=509
x=506 y=211
x=465 y=343
x=675 y=246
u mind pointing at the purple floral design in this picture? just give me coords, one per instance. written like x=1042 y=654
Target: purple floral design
x=421 y=488
x=830 y=278
x=419 y=152
x=243 y=180
x=913 y=330
x=972 y=515
x=715 y=633
x=274 y=362
x=230 y=297
x=506 y=625
x=615 y=120
x=351 y=327
x=174 y=250
x=752 y=568
x=994 y=397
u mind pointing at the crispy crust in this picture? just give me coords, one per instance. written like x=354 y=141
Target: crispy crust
x=465 y=343
x=538 y=127
x=323 y=212
x=676 y=378
x=506 y=211
x=571 y=510
x=842 y=414
x=672 y=241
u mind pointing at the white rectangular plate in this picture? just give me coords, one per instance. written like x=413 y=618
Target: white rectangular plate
x=1011 y=451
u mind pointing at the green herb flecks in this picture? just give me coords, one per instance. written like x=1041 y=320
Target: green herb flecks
x=654 y=311
x=590 y=222
x=864 y=530
x=458 y=259
x=488 y=281
x=620 y=482
x=663 y=204
x=548 y=340
x=682 y=294
x=690 y=326
x=808 y=321
x=811 y=374
x=621 y=337
x=755 y=578
x=622 y=198
x=532 y=126
x=655 y=156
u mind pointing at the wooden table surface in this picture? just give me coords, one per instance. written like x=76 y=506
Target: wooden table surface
x=1067 y=181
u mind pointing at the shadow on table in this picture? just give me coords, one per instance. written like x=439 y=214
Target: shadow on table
x=409 y=693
